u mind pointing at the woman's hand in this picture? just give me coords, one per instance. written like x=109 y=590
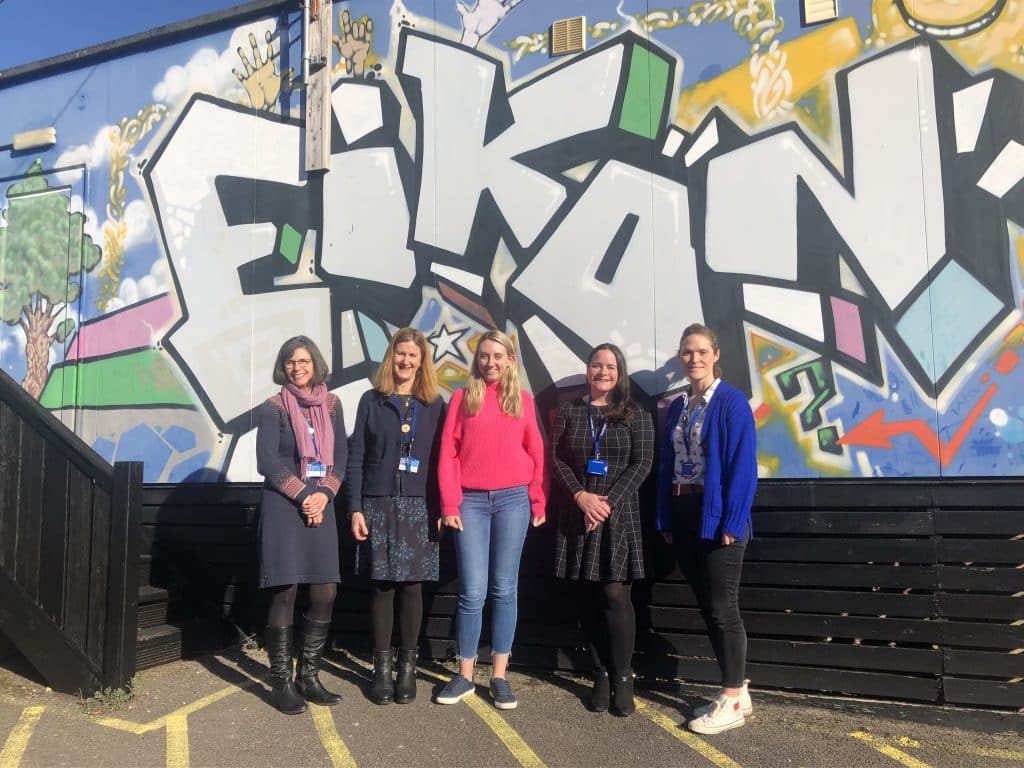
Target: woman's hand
x=667 y=536
x=727 y=539
x=359 y=530
x=595 y=508
x=313 y=508
x=452 y=521
x=538 y=521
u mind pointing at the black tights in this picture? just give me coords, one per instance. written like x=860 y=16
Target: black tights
x=609 y=621
x=282 y=603
x=382 y=613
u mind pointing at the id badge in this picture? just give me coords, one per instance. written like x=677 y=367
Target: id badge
x=688 y=469
x=412 y=466
x=316 y=469
x=597 y=467
x=403 y=464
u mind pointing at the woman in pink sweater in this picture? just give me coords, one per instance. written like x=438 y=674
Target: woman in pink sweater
x=491 y=472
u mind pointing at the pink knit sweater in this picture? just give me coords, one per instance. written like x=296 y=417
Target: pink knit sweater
x=490 y=451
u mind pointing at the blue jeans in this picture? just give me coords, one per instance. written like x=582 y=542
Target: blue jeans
x=488 y=548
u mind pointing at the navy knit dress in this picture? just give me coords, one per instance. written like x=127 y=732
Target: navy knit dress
x=291 y=552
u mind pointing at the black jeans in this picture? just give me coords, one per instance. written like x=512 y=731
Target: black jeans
x=713 y=570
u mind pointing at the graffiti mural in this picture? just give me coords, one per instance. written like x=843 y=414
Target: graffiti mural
x=841 y=202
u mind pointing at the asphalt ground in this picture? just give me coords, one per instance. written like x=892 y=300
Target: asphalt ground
x=214 y=711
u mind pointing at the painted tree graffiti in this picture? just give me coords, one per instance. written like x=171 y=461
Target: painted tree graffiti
x=43 y=251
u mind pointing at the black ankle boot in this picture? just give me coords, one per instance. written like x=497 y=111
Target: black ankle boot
x=405 y=685
x=381 y=688
x=600 y=696
x=283 y=694
x=307 y=680
x=622 y=696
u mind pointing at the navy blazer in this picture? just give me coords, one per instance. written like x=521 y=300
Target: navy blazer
x=374 y=448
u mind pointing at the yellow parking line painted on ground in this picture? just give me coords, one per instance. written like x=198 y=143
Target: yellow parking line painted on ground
x=336 y=749
x=140 y=728
x=1001 y=754
x=515 y=744
x=898 y=755
x=695 y=743
x=17 y=741
x=177 y=741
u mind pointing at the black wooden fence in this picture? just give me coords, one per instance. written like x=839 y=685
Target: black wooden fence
x=908 y=590
x=68 y=549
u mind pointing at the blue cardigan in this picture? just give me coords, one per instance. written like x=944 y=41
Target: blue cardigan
x=728 y=438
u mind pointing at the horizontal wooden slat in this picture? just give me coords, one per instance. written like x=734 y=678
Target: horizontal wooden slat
x=852 y=522
x=989 y=693
x=841 y=550
x=808 y=601
x=847 y=681
x=979 y=522
x=991 y=607
x=809 y=625
x=981 y=579
x=177 y=515
x=981 y=551
x=983 y=663
x=827 y=575
x=963 y=634
x=807 y=654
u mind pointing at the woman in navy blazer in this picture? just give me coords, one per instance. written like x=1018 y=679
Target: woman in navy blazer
x=707 y=475
x=393 y=503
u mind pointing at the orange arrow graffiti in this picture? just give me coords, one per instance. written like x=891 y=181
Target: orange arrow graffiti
x=875 y=432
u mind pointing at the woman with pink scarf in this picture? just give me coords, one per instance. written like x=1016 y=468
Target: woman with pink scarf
x=301 y=451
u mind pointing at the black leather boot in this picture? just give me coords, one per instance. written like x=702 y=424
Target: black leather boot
x=307 y=679
x=600 y=696
x=405 y=684
x=382 y=689
x=622 y=696
x=283 y=695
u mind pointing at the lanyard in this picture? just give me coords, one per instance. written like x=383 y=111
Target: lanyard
x=407 y=435
x=688 y=419
x=594 y=435
x=312 y=436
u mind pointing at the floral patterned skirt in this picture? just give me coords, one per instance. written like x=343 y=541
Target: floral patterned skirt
x=401 y=545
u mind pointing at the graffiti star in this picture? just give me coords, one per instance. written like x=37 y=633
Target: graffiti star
x=446 y=343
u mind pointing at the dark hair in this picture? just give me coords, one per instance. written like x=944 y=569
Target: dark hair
x=620 y=406
x=696 y=329
x=320 y=369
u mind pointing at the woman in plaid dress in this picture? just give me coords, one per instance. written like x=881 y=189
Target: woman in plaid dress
x=603 y=447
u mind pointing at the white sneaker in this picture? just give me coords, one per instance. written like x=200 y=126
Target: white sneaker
x=746 y=705
x=725 y=715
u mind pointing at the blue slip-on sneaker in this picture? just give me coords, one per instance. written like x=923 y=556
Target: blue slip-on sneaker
x=501 y=693
x=456 y=690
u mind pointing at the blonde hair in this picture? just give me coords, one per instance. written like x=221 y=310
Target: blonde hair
x=510 y=398
x=424 y=387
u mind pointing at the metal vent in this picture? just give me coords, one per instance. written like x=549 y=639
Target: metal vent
x=568 y=35
x=817 y=11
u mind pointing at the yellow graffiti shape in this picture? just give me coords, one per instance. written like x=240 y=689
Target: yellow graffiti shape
x=999 y=45
x=123 y=138
x=782 y=75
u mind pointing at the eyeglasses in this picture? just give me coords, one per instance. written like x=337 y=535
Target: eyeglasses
x=303 y=363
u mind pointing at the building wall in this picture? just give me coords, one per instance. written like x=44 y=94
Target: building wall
x=839 y=201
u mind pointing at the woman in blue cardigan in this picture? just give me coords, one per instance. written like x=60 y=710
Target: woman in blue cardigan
x=707 y=476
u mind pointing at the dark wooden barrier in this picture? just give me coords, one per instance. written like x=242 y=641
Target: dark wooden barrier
x=68 y=549
x=909 y=590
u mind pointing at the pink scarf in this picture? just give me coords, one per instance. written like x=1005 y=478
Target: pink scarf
x=295 y=400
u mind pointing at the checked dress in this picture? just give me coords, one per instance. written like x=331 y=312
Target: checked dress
x=614 y=550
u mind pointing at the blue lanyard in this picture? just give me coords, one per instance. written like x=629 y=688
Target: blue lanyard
x=410 y=436
x=689 y=418
x=594 y=435
x=312 y=436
